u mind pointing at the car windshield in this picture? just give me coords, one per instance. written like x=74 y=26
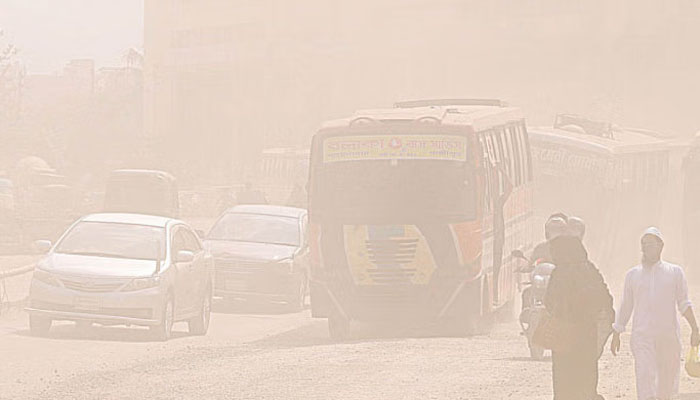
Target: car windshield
x=257 y=228
x=117 y=240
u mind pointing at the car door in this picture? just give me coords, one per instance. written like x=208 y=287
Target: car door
x=200 y=270
x=184 y=287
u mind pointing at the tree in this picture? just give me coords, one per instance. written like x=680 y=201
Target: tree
x=11 y=77
x=8 y=52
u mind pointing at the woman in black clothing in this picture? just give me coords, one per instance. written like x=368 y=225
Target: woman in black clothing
x=576 y=294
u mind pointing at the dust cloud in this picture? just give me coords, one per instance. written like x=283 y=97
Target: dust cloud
x=352 y=199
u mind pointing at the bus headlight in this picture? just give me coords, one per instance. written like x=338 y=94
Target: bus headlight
x=142 y=283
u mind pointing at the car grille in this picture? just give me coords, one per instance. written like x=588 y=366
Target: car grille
x=389 y=256
x=236 y=266
x=91 y=286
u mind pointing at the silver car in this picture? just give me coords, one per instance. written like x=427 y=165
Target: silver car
x=123 y=269
x=261 y=252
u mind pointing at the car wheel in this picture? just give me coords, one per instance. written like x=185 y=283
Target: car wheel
x=164 y=329
x=39 y=326
x=199 y=325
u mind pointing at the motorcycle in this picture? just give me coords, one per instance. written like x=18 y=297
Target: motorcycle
x=533 y=294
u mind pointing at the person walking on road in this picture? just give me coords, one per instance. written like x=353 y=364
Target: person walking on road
x=576 y=295
x=653 y=291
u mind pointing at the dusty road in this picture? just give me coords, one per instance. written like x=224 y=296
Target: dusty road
x=262 y=353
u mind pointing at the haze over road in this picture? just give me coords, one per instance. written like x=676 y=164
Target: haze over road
x=261 y=352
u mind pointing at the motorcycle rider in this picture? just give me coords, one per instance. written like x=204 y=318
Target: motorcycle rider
x=555 y=226
x=577 y=227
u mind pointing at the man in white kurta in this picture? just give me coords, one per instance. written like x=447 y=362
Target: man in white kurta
x=655 y=293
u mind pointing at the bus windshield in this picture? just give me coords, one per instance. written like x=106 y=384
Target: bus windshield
x=395 y=190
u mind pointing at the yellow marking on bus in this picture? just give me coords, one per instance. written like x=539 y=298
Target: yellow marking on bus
x=417 y=266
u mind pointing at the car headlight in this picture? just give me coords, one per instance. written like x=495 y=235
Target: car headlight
x=46 y=277
x=142 y=283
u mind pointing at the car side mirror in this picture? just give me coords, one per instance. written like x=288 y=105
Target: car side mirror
x=42 y=246
x=184 y=256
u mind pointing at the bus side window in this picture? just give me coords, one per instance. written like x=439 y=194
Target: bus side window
x=488 y=160
x=515 y=150
x=639 y=167
x=663 y=170
x=507 y=154
x=524 y=159
x=628 y=174
x=499 y=140
x=522 y=151
x=649 y=175
x=526 y=156
x=490 y=148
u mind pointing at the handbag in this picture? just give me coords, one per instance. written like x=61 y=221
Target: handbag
x=554 y=333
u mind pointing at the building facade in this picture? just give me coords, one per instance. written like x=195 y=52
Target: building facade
x=225 y=79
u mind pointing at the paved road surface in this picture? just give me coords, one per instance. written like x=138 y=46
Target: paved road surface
x=254 y=352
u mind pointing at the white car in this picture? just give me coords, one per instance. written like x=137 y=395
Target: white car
x=123 y=269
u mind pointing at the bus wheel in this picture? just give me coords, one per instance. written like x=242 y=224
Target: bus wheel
x=338 y=327
x=466 y=319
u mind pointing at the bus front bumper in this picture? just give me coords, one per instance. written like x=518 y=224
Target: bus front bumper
x=408 y=303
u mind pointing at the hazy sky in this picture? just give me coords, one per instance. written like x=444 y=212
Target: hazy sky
x=51 y=32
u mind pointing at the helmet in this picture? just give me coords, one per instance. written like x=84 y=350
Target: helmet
x=559 y=215
x=555 y=227
x=577 y=227
x=692 y=363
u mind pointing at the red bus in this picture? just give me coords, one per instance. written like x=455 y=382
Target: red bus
x=407 y=208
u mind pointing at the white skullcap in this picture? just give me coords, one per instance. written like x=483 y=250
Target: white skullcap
x=654 y=232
